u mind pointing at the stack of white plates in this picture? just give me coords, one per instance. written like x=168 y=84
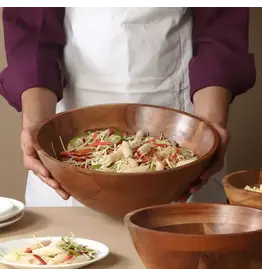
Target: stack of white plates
x=11 y=211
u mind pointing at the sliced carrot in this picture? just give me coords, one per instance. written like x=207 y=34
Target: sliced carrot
x=100 y=143
x=173 y=156
x=40 y=259
x=69 y=257
x=82 y=159
x=28 y=250
x=75 y=153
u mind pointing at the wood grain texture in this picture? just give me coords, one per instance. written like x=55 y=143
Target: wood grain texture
x=235 y=183
x=196 y=235
x=118 y=193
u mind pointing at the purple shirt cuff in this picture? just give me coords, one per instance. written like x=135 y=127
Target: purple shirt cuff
x=220 y=43
x=234 y=72
x=25 y=76
x=34 y=41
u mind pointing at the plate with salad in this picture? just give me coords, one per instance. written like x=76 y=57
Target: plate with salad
x=51 y=252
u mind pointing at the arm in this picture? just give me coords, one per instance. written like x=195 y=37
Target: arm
x=34 y=41
x=221 y=67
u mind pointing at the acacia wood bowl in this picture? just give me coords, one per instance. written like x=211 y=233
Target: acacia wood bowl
x=117 y=194
x=195 y=235
x=235 y=183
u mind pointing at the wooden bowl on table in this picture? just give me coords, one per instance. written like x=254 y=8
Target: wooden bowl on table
x=194 y=235
x=119 y=193
x=235 y=183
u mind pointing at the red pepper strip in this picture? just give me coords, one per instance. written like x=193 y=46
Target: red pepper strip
x=65 y=153
x=40 y=259
x=83 y=151
x=161 y=145
x=98 y=143
x=172 y=157
x=28 y=250
x=81 y=159
x=95 y=135
x=75 y=153
x=69 y=257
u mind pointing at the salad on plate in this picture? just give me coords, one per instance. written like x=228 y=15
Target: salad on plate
x=51 y=252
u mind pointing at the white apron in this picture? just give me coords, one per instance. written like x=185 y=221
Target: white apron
x=120 y=55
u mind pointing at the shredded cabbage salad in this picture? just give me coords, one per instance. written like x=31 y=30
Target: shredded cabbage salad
x=48 y=252
x=113 y=151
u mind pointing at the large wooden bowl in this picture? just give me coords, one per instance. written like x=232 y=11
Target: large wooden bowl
x=235 y=183
x=194 y=235
x=118 y=193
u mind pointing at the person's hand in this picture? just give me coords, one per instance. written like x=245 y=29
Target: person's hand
x=38 y=104
x=32 y=162
x=216 y=165
x=212 y=105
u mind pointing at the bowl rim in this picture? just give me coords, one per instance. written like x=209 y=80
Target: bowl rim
x=129 y=224
x=40 y=151
x=226 y=182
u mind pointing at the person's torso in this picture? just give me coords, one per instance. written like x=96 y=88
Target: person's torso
x=137 y=55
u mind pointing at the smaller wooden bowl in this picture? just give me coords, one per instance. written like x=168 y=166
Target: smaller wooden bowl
x=235 y=183
x=195 y=235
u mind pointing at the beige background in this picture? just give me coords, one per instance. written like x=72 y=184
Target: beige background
x=245 y=125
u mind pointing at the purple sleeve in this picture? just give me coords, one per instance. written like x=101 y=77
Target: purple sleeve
x=34 y=41
x=220 y=44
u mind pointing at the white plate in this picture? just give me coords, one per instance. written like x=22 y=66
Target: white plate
x=11 y=220
x=17 y=208
x=5 y=206
x=8 y=246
